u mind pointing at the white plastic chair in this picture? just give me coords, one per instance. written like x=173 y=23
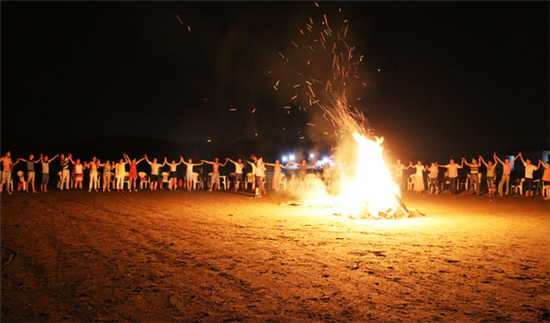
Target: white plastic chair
x=410 y=181
x=283 y=181
x=518 y=186
x=165 y=178
x=144 y=180
x=196 y=181
x=21 y=175
x=249 y=179
x=311 y=180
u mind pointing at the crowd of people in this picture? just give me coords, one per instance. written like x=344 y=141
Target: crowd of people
x=117 y=170
x=74 y=180
x=474 y=176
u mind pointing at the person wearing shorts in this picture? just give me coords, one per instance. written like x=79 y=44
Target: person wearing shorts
x=7 y=166
x=491 y=175
x=215 y=172
x=173 y=184
x=45 y=172
x=506 y=171
x=529 y=170
x=154 y=172
x=30 y=172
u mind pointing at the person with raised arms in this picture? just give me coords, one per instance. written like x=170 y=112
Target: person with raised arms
x=133 y=175
x=506 y=172
x=154 y=172
x=45 y=171
x=215 y=172
x=238 y=172
x=276 y=174
x=189 y=172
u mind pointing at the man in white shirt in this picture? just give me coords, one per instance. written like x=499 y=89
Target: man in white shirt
x=529 y=169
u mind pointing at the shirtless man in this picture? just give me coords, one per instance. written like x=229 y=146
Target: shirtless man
x=7 y=166
x=238 y=172
x=215 y=173
x=173 y=184
x=189 y=174
x=154 y=172
x=506 y=171
x=46 y=172
x=31 y=175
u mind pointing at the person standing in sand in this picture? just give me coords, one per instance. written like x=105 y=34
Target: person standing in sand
x=277 y=174
x=133 y=175
x=94 y=173
x=452 y=169
x=65 y=172
x=302 y=172
x=189 y=174
x=491 y=175
x=434 y=178
x=31 y=175
x=46 y=172
x=108 y=166
x=506 y=171
x=474 y=175
x=215 y=180
x=154 y=172
x=173 y=184
x=7 y=166
x=259 y=176
x=120 y=173
x=78 y=169
x=546 y=179
x=419 y=178
x=528 y=179
x=238 y=172
x=398 y=171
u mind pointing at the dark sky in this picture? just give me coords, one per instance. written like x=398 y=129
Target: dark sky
x=455 y=77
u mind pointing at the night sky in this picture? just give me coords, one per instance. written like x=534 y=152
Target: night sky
x=443 y=78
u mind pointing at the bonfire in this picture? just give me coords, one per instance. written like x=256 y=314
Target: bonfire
x=366 y=188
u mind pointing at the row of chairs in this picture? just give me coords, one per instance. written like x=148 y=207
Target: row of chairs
x=517 y=185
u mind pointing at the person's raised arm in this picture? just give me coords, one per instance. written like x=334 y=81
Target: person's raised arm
x=542 y=163
x=483 y=161
x=223 y=165
x=54 y=157
x=163 y=164
x=285 y=166
x=179 y=163
x=139 y=161
x=38 y=160
x=206 y=161
x=497 y=159
x=126 y=157
x=202 y=162
x=521 y=157
x=147 y=159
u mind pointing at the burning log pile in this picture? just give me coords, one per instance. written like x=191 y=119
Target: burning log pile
x=328 y=80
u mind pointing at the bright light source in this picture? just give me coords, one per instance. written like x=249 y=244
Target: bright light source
x=291 y=157
x=311 y=155
x=285 y=158
x=325 y=159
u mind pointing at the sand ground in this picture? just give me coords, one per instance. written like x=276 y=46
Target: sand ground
x=223 y=256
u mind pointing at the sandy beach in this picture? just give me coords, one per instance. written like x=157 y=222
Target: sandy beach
x=226 y=257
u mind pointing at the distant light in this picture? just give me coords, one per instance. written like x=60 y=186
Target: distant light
x=378 y=70
x=209 y=140
x=291 y=157
x=256 y=135
x=285 y=158
x=311 y=155
x=325 y=159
